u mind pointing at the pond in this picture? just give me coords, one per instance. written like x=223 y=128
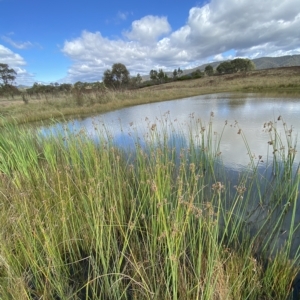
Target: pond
x=248 y=114
x=241 y=122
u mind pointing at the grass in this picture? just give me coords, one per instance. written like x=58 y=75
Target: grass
x=86 y=220
x=281 y=81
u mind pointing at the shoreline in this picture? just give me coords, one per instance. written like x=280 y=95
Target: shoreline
x=276 y=82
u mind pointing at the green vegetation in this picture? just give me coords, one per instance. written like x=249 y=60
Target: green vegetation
x=7 y=77
x=159 y=77
x=52 y=88
x=86 y=220
x=235 y=65
x=177 y=73
x=117 y=77
x=93 y=98
x=209 y=70
x=194 y=75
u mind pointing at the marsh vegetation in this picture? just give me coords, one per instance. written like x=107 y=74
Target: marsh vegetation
x=86 y=220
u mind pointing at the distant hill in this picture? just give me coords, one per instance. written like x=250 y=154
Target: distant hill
x=22 y=87
x=276 y=62
x=260 y=63
x=267 y=62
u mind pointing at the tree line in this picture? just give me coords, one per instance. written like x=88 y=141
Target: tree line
x=118 y=77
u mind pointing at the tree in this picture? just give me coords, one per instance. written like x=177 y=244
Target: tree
x=153 y=75
x=120 y=73
x=236 y=65
x=175 y=73
x=7 y=75
x=242 y=64
x=161 y=75
x=135 y=81
x=225 y=67
x=179 y=71
x=65 y=87
x=117 y=77
x=79 y=85
x=139 y=79
x=108 y=78
x=197 y=74
x=209 y=70
x=34 y=89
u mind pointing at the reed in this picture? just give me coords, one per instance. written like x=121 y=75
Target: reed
x=81 y=219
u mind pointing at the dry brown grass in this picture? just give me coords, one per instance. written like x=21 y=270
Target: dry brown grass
x=280 y=81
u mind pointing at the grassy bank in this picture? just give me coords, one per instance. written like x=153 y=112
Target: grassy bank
x=85 y=220
x=282 y=81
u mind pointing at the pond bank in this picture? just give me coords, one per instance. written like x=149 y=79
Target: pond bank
x=281 y=81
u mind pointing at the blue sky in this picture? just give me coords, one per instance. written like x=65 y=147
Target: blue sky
x=68 y=41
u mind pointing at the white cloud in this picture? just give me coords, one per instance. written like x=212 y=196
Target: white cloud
x=219 y=57
x=24 y=77
x=16 y=62
x=18 y=45
x=148 y=29
x=10 y=58
x=119 y=18
x=223 y=25
x=268 y=28
x=122 y=15
x=92 y=54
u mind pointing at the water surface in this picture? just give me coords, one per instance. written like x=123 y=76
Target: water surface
x=243 y=120
x=248 y=114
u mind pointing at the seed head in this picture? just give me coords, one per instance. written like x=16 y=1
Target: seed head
x=218 y=187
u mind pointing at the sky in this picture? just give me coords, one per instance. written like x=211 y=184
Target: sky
x=69 y=41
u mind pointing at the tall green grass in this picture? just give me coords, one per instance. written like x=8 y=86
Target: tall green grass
x=86 y=220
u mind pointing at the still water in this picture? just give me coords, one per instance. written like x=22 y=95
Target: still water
x=238 y=121
x=243 y=113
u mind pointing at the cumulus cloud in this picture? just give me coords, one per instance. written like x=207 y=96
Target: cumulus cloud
x=211 y=32
x=224 y=25
x=16 y=62
x=148 y=29
x=92 y=54
x=10 y=58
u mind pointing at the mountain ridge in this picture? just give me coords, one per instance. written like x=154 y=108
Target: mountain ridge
x=261 y=63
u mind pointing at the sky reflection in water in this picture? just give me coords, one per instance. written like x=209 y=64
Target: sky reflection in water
x=178 y=117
